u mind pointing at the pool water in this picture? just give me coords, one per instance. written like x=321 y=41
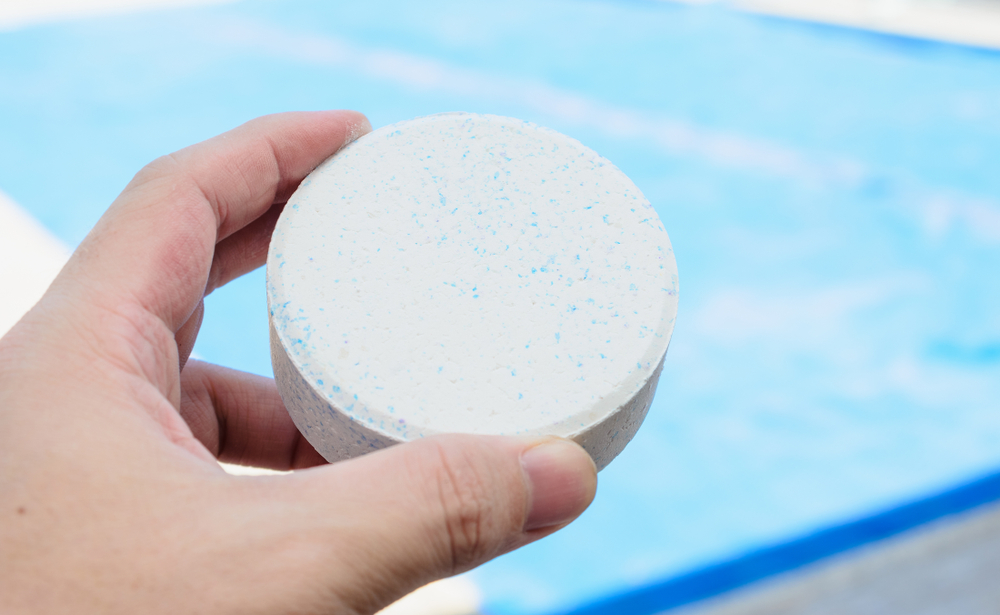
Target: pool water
x=832 y=197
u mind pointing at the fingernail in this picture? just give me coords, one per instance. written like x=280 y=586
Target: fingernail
x=563 y=481
x=358 y=130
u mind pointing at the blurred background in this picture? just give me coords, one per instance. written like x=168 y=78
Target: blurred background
x=826 y=433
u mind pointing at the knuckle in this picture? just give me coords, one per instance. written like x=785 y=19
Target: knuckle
x=462 y=487
x=165 y=165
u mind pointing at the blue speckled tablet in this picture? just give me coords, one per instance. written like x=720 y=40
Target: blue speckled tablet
x=468 y=273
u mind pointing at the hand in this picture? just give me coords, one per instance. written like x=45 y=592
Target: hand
x=111 y=497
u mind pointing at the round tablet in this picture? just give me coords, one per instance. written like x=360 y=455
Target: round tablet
x=468 y=273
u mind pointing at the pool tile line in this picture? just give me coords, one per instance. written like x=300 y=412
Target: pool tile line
x=715 y=580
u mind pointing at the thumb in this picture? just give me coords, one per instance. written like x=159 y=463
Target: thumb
x=400 y=518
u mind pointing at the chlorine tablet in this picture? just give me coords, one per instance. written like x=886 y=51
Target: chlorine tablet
x=468 y=273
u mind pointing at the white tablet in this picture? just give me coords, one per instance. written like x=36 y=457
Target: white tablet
x=468 y=273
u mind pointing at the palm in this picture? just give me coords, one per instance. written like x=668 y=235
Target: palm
x=111 y=499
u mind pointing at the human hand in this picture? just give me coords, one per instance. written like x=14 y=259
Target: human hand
x=111 y=498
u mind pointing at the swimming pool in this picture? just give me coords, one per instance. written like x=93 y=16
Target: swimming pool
x=831 y=195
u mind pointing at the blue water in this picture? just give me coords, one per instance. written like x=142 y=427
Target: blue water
x=832 y=196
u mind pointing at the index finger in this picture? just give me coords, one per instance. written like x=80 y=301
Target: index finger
x=154 y=245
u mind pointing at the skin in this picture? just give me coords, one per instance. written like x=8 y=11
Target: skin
x=111 y=496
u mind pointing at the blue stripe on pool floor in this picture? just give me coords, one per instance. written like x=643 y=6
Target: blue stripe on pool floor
x=718 y=579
